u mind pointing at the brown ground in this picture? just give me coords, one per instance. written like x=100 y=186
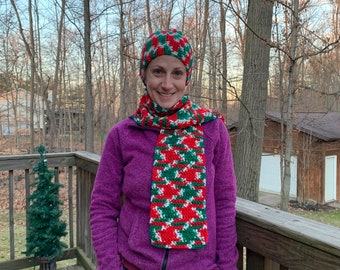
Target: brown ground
x=311 y=207
x=19 y=198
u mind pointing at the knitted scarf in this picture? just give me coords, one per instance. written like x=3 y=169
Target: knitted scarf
x=178 y=192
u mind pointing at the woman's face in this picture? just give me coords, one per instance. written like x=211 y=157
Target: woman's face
x=165 y=80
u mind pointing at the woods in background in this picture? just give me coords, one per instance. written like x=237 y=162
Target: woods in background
x=43 y=50
x=68 y=69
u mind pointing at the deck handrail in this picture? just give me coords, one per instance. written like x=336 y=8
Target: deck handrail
x=268 y=238
x=279 y=240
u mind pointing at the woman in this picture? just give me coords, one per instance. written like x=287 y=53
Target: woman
x=172 y=162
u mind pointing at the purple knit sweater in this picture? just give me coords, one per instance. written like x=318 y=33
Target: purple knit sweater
x=125 y=168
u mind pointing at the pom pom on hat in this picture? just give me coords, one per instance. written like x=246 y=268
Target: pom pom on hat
x=167 y=42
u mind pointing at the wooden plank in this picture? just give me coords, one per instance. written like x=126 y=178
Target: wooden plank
x=255 y=261
x=241 y=256
x=84 y=260
x=31 y=261
x=70 y=205
x=86 y=166
x=87 y=161
x=19 y=162
x=11 y=214
x=91 y=157
x=72 y=267
x=271 y=265
x=27 y=195
x=309 y=232
x=288 y=252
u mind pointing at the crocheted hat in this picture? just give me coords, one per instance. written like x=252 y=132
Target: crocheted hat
x=167 y=42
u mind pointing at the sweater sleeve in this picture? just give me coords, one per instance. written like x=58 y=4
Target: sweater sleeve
x=106 y=203
x=225 y=200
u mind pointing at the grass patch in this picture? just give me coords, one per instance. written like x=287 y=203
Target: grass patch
x=19 y=235
x=331 y=217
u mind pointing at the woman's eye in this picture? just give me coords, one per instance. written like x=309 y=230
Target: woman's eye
x=178 y=73
x=157 y=71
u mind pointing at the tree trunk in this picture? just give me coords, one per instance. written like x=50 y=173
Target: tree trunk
x=32 y=78
x=224 y=59
x=148 y=16
x=253 y=99
x=292 y=77
x=89 y=136
x=47 y=264
x=169 y=15
x=122 y=79
x=51 y=106
x=203 y=39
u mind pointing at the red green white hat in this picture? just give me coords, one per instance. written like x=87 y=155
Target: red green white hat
x=167 y=42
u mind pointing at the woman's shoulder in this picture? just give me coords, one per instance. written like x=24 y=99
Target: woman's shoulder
x=122 y=127
x=214 y=125
x=127 y=128
x=123 y=124
x=215 y=130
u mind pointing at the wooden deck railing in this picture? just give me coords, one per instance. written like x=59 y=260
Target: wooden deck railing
x=277 y=240
x=268 y=239
x=78 y=172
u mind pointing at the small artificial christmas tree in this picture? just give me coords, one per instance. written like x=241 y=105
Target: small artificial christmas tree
x=43 y=216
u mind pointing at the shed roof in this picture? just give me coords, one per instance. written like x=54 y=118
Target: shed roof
x=323 y=125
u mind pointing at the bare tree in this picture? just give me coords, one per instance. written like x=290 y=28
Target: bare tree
x=238 y=26
x=285 y=184
x=202 y=41
x=115 y=87
x=148 y=16
x=9 y=84
x=295 y=56
x=249 y=142
x=30 y=49
x=123 y=89
x=89 y=136
x=32 y=76
x=50 y=107
x=169 y=15
x=224 y=57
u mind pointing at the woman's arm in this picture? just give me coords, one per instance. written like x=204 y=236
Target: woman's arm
x=225 y=201
x=105 y=204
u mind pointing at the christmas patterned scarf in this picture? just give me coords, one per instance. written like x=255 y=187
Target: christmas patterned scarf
x=178 y=193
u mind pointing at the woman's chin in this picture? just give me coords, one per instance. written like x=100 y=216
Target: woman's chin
x=166 y=102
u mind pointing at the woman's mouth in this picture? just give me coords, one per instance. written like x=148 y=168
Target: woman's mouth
x=166 y=94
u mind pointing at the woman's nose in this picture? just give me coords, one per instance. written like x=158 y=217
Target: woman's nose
x=167 y=82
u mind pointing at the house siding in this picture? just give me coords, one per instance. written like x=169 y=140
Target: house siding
x=15 y=113
x=311 y=153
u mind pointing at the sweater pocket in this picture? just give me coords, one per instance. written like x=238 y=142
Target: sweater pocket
x=134 y=241
x=138 y=237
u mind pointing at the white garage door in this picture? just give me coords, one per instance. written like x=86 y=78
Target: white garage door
x=330 y=178
x=270 y=175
